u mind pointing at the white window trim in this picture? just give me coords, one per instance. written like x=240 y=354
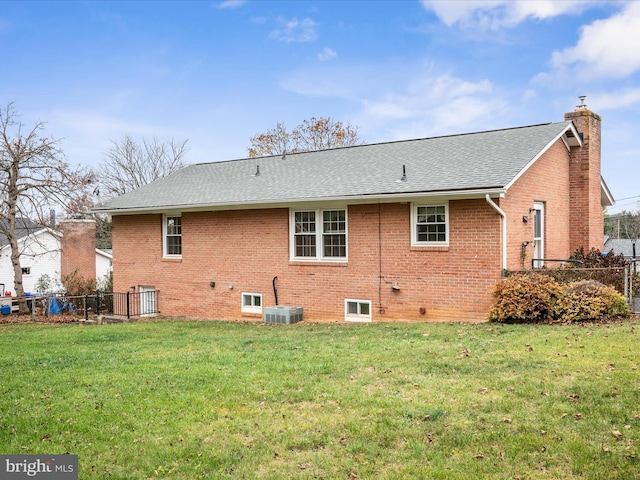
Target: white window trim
x=251 y=308
x=414 y=223
x=164 y=235
x=319 y=232
x=539 y=241
x=356 y=317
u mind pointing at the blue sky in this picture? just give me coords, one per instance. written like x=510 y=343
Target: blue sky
x=218 y=72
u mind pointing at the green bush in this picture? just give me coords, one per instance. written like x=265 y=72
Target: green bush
x=589 y=300
x=524 y=298
x=533 y=298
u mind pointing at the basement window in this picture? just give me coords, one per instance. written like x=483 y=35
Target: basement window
x=357 y=310
x=252 y=302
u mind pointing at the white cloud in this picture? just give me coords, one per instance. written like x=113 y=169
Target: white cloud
x=495 y=14
x=436 y=105
x=625 y=98
x=402 y=100
x=295 y=30
x=607 y=48
x=327 y=54
x=231 y=3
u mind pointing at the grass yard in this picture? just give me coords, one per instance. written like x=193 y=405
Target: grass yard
x=189 y=400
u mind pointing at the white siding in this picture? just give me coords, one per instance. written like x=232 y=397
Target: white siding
x=40 y=253
x=103 y=265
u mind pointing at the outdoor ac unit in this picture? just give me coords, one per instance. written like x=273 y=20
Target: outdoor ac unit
x=282 y=314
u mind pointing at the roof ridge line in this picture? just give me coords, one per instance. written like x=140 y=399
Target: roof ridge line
x=390 y=142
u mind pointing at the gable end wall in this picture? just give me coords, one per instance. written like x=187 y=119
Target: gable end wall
x=547 y=181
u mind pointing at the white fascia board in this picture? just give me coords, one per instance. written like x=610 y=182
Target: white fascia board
x=560 y=136
x=104 y=254
x=606 y=198
x=342 y=200
x=34 y=234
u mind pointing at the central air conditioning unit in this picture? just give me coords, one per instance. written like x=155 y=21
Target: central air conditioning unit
x=282 y=314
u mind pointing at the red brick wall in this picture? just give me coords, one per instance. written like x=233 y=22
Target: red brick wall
x=587 y=220
x=546 y=181
x=246 y=249
x=78 y=248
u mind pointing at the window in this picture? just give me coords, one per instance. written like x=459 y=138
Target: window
x=334 y=230
x=319 y=234
x=357 y=310
x=430 y=225
x=305 y=234
x=26 y=270
x=252 y=302
x=172 y=227
x=538 y=235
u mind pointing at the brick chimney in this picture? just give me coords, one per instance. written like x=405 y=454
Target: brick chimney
x=587 y=218
x=78 y=248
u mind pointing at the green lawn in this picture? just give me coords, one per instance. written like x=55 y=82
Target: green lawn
x=188 y=400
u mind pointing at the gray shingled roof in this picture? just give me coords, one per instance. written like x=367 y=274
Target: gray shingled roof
x=475 y=161
x=621 y=246
x=24 y=227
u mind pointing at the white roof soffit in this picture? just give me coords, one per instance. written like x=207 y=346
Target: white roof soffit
x=571 y=136
x=606 y=199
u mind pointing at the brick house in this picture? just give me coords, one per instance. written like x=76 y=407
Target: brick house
x=416 y=230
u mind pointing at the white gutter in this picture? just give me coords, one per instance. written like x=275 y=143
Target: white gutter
x=289 y=202
x=504 y=230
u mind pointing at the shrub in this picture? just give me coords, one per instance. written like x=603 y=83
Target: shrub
x=76 y=284
x=105 y=283
x=607 y=268
x=524 y=298
x=538 y=297
x=589 y=300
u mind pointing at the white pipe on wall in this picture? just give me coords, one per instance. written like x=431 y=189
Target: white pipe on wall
x=504 y=230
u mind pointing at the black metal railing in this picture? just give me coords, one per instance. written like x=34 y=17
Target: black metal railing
x=126 y=305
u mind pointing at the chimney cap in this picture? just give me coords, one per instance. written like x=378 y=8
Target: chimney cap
x=582 y=104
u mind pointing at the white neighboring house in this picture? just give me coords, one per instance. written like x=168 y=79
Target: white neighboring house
x=41 y=254
x=104 y=264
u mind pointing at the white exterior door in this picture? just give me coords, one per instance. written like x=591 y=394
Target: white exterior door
x=147 y=300
x=538 y=234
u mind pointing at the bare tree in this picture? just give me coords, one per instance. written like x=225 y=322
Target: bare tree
x=311 y=135
x=630 y=228
x=624 y=225
x=129 y=164
x=630 y=225
x=33 y=178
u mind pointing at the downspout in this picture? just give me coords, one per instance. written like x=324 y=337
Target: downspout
x=504 y=231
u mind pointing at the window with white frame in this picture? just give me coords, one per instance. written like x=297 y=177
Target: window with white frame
x=357 y=310
x=252 y=302
x=172 y=235
x=319 y=234
x=430 y=224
